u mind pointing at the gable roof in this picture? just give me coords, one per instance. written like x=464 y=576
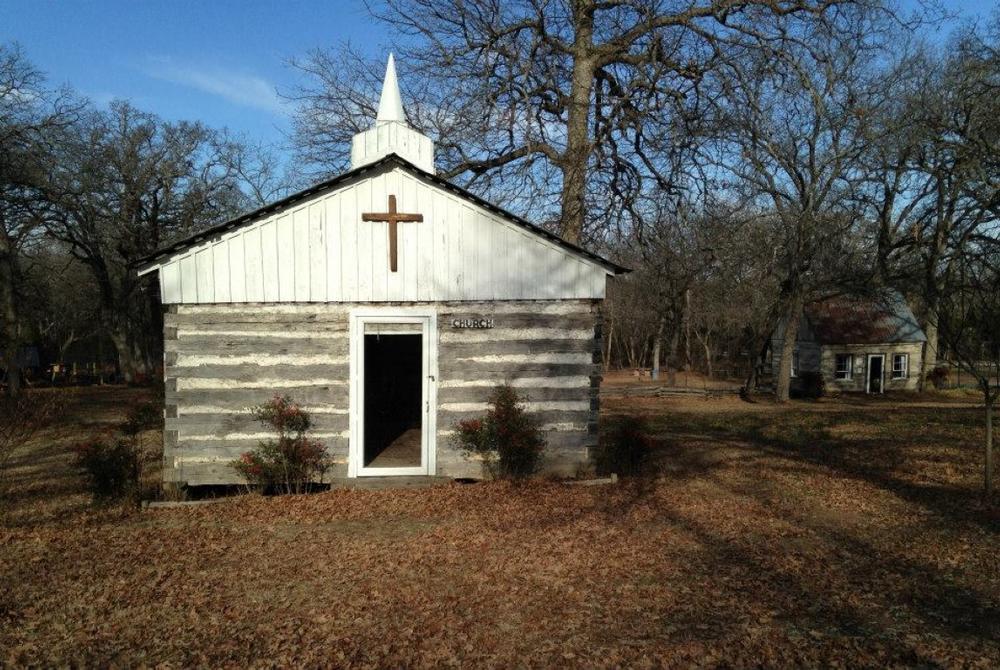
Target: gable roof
x=885 y=319
x=147 y=263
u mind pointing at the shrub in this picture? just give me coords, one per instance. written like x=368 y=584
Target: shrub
x=113 y=468
x=626 y=447
x=811 y=384
x=290 y=463
x=938 y=377
x=507 y=438
x=141 y=417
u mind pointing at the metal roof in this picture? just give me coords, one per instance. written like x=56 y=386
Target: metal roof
x=884 y=319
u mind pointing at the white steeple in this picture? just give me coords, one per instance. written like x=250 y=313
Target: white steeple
x=391 y=133
x=390 y=105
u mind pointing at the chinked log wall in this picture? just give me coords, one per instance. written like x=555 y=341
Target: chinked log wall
x=222 y=359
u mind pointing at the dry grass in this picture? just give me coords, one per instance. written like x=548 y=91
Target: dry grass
x=836 y=533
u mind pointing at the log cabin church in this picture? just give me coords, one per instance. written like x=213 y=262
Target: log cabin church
x=388 y=302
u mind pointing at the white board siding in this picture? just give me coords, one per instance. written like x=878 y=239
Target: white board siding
x=321 y=251
x=237 y=273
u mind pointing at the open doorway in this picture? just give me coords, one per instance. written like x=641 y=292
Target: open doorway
x=393 y=400
x=876 y=373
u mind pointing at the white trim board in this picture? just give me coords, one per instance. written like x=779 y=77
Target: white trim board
x=426 y=318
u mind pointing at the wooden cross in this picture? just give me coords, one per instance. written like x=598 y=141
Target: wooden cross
x=393 y=217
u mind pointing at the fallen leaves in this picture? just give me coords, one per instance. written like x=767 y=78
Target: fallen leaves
x=747 y=549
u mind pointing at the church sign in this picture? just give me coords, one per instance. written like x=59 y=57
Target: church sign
x=473 y=323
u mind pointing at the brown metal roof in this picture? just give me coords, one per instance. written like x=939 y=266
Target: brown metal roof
x=885 y=319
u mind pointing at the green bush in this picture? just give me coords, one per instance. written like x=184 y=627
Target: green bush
x=507 y=438
x=292 y=463
x=113 y=468
x=625 y=448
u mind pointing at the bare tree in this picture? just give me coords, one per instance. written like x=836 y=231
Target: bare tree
x=958 y=160
x=572 y=108
x=969 y=320
x=795 y=128
x=60 y=298
x=933 y=187
x=125 y=183
x=256 y=168
x=29 y=114
x=734 y=299
x=629 y=322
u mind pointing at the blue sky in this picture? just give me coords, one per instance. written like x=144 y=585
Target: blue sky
x=217 y=61
x=214 y=61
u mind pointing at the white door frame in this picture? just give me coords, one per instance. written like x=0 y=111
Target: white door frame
x=428 y=439
x=868 y=374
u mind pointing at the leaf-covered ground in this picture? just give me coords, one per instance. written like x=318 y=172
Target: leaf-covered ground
x=841 y=533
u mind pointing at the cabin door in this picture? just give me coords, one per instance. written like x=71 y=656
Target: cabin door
x=876 y=373
x=393 y=362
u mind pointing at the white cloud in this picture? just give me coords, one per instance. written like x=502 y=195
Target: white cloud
x=238 y=88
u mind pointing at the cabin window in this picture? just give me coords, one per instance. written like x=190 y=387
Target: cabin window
x=845 y=367
x=900 y=366
x=795 y=363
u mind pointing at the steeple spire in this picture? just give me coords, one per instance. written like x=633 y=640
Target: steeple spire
x=390 y=105
x=391 y=134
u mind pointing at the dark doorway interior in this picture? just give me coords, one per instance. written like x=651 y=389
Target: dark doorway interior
x=875 y=374
x=393 y=397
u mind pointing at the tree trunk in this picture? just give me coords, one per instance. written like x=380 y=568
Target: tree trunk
x=675 y=338
x=686 y=320
x=126 y=360
x=708 y=356
x=9 y=330
x=140 y=358
x=65 y=345
x=657 y=348
x=610 y=343
x=931 y=346
x=988 y=478
x=751 y=379
x=792 y=316
x=578 y=147
x=755 y=361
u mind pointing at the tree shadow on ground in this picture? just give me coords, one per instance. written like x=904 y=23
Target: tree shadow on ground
x=882 y=457
x=806 y=604
x=748 y=457
x=41 y=485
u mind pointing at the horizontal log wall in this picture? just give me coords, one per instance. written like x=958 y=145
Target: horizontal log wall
x=222 y=359
x=548 y=351
x=859 y=377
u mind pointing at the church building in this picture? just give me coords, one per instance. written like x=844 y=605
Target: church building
x=388 y=302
